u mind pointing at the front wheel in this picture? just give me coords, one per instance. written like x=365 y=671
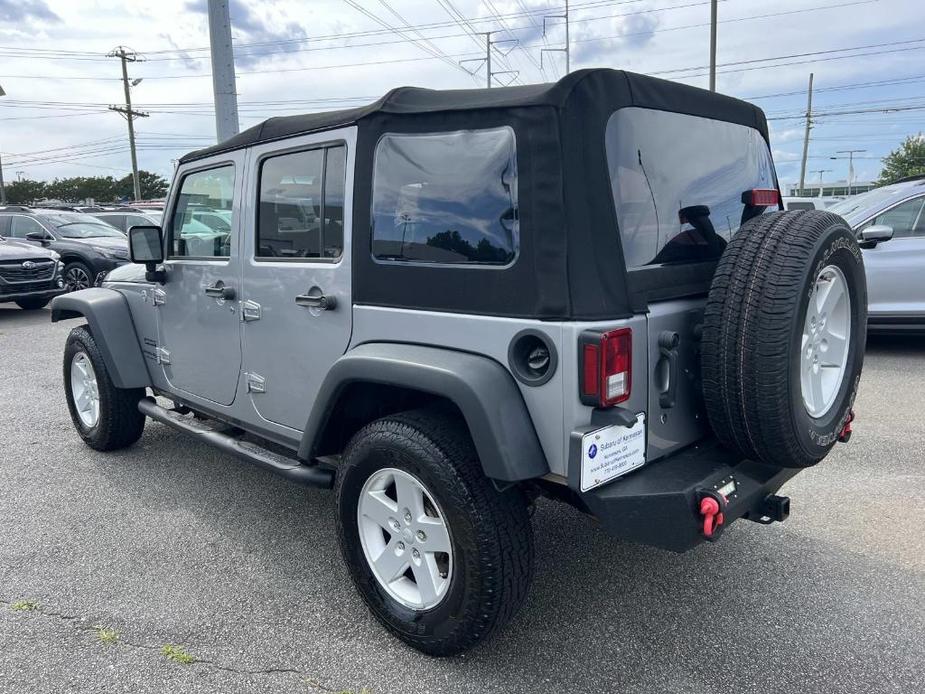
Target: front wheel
x=77 y=276
x=106 y=417
x=32 y=304
x=440 y=556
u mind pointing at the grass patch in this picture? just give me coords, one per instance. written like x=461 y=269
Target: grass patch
x=24 y=606
x=177 y=654
x=106 y=635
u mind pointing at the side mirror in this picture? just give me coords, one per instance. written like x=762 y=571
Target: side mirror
x=40 y=236
x=875 y=234
x=146 y=247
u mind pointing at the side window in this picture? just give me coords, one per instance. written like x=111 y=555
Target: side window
x=202 y=220
x=800 y=206
x=901 y=218
x=446 y=198
x=302 y=205
x=117 y=220
x=20 y=226
x=132 y=220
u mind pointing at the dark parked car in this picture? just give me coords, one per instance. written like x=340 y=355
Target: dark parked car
x=29 y=276
x=88 y=246
x=125 y=220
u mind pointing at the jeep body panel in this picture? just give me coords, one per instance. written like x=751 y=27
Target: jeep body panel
x=110 y=319
x=483 y=390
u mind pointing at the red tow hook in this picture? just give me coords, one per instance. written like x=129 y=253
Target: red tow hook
x=845 y=435
x=713 y=517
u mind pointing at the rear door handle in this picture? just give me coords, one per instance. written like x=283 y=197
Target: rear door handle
x=220 y=291
x=315 y=298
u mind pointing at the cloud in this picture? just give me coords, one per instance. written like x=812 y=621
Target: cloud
x=26 y=11
x=602 y=39
x=250 y=27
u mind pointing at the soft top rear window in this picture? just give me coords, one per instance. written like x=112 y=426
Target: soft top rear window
x=662 y=163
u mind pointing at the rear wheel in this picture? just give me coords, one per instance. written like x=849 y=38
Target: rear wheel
x=440 y=556
x=106 y=417
x=783 y=337
x=32 y=304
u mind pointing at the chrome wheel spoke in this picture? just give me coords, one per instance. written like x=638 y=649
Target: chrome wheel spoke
x=380 y=509
x=437 y=539
x=392 y=563
x=835 y=347
x=410 y=496
x=426 y=577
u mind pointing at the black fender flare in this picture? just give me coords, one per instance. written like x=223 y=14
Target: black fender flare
x=110 y=319
x=482 y=389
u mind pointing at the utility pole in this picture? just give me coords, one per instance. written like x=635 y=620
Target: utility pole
x=850 y=153
x=2 y=189
x=820 y=172
x=713 y=10
x=129 y=56
x=489 y=46
x=223 y=75
x=567 y=49
x=809 y=121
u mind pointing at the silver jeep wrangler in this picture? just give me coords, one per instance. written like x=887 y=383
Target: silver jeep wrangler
x=447 y=304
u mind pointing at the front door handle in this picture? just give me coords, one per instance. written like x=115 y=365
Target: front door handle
x=315 y=298
x=220 y=291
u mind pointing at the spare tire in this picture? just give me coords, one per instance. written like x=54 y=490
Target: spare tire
x=783 y=337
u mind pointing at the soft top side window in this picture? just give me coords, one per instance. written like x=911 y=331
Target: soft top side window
x=203 y=216
x=447 y=198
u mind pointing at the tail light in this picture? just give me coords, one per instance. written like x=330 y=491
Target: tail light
x=606 y=363
x=761 y=197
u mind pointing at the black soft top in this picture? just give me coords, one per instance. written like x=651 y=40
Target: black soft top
x=637 y=90
x=570 y=264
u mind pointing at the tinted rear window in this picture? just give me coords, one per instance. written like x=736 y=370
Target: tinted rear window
x=661 y=163
x=446 y=198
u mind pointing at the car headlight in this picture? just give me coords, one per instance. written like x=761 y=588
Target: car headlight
x=112 y=253
x=60 y=267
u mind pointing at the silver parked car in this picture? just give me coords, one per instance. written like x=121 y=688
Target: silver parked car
x=890 y=223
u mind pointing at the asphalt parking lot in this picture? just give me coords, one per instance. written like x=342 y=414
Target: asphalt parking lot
x=171 y=542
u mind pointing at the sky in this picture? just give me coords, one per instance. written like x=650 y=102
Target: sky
x=297 y=56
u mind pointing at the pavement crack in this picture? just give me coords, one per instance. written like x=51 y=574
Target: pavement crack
x=82 y=624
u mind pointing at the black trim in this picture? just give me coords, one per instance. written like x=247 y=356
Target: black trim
x=483 y=390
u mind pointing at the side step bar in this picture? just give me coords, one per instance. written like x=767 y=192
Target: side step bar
x=290 y=468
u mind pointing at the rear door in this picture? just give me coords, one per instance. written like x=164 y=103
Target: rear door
x=297 y=311
x=198 y=322
x=896 y=268
x=678 y=182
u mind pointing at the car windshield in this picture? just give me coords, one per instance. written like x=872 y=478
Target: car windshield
x=858 y=208
x=76 y=225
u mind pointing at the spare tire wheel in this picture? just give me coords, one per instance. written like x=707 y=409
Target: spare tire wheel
x=783 y=337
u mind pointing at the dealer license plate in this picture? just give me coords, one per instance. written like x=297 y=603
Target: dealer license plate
x=611 y=452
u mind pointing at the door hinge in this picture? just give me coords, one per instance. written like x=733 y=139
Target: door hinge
x=158 y=297
x=256 y=383
x=250 y=310
x=163 y=355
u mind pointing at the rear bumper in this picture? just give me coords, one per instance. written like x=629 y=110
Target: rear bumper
x=659 y=504
x=39 y=294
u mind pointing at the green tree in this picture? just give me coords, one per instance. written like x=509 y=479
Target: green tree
x=152 y=186
x=24 y=192
x=907 y=160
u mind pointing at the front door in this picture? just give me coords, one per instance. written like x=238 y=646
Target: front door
x=894 y=268
x=296 y=308
x=198 y=322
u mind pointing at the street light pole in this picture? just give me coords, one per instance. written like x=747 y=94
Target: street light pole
x=713 y=11
x=850 y=153
x=2 y=188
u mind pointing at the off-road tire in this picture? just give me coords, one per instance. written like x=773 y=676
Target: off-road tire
x=32 y=304
x=490 y=531
x=120 y=423
x=752 y=333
